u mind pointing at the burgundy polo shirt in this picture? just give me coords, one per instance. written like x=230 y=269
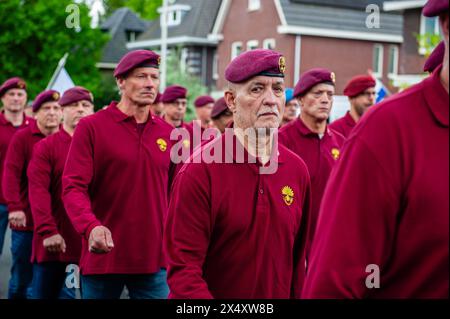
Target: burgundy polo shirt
x=7 y=130
x=232 y=233
x=44 y=188
x=15 y=180
x=344 y=125
x=118 y=178
x=319 y=154
x=387 y=203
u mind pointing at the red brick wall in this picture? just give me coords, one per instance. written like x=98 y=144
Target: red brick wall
x=259 y=25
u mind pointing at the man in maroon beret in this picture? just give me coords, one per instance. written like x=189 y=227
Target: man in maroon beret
x=13 y=96
x=55 y=242
x=15 y=188
x=237 y=231
x=175 y=105
x=157 y=108
x=362 y=95
x=435 y=59
x=115 y=187
x=221 y=115
x=203 y=108
x=384 y=221
x=310 y=137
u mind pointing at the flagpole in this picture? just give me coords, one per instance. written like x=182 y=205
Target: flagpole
x=61 y=64
x=163 y=66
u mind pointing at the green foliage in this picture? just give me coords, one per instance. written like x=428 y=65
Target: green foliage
x=175 y=75
x=145 y=8
x=34 y=37
x=428 y=42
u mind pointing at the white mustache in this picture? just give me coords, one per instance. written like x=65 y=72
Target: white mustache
x=274 y=111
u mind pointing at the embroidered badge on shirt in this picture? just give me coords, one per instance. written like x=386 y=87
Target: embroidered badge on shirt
x=162 y=144
x=186 y=143
x=288 y=195
x=335 y=153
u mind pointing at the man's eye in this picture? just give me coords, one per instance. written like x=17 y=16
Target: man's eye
x=256 y=89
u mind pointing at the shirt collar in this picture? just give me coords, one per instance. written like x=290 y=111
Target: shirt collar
x=305 y=131
x=64 y=135
x=4 y=121
x=119 y=116
x=35 y=129
x=437 y=97
x=349 y=119
x=277 y=153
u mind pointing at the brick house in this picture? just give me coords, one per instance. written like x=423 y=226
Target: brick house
x=312 y=33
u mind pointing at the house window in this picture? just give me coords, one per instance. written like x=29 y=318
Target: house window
x=131 y=36
x=236 y=49
x=174 y=18
x=252 y=45
x=378 y=52
x=254 y=5
x=429 y=33
x=393 y=60
x=269 y=44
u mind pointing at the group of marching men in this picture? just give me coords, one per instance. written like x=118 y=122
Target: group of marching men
x=355 y=209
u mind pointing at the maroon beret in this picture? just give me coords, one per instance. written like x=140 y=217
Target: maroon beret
x=174 y=92
x=75 y=95
x=203 y=100
x=43 y=97
x=311 y=78
x=158 y=98
x=219 y=107
x=435 y=8
x=256 y=62
x=436 y=58
x=358 y=85
x=13 y=83
x=136 y=59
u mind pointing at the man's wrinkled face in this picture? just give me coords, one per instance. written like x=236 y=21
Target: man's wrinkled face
x=257 y=103
x=364 y=101
x=317 y=103
x=176 y=110
x=14 y=100
x=73 y=113
x=290 y=113
x=49 y=116
x=140 y=86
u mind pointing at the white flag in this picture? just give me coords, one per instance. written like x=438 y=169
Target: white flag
x=61 y=80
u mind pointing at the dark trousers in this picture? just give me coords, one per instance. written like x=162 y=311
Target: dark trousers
x=49 y=281
x=22 y=269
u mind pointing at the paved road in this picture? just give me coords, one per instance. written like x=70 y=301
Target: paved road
x=5 y=265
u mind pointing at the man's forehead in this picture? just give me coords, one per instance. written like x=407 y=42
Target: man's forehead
x=266 y=80
x=16 y=90
x=323 y=87
x=145 y=70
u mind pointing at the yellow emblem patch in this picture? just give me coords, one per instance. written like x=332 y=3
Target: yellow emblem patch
x=282 y=64
x=186 y=143
x=335 y=153
x=162 y=144
x=21 y=85
x=333 y=77
x=55 y=96
x=288 y=195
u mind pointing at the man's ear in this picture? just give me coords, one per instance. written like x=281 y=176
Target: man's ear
x=230 y=99
x=120 y=83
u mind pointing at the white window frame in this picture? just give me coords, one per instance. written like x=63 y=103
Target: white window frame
x=252 y=45
x=216 y=66
x=254 y=5
x=395 y=58
x=437 y=30
x=380 y=61
x=174 y=21
x=234 y=47
x=269 y=42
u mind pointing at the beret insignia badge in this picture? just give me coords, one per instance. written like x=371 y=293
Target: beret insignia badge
x=21 y=85
x=55 y=96
x=282 y=64
x=333 y=77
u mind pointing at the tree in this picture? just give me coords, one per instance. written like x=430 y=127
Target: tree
x=146 y=9
x=175 y=75
x=36 y=34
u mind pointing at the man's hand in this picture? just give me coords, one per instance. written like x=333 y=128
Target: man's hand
x=100 y=240
x=55 y=244
x=17 y=219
